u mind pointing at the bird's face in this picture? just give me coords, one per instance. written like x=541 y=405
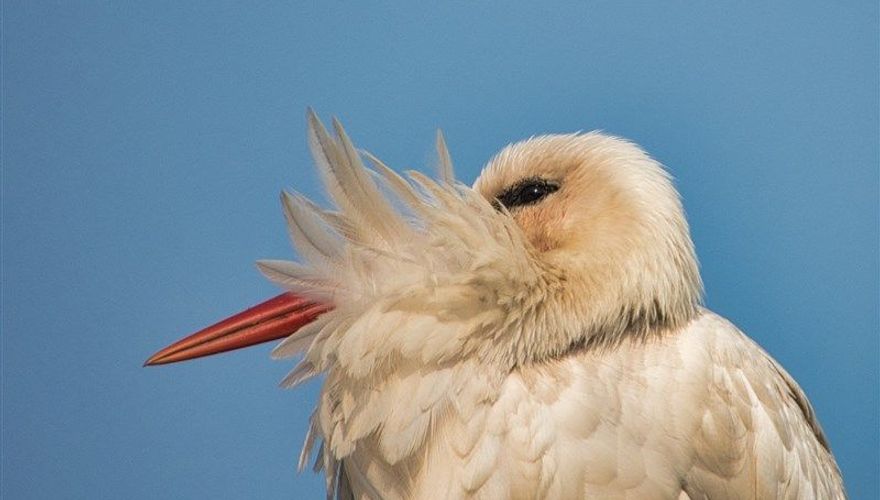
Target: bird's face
x=563 y=192
x=606 y=214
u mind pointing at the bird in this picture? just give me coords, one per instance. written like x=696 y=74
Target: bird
x=539 y=334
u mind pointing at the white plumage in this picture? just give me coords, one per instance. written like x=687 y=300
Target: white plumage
x=554 y=347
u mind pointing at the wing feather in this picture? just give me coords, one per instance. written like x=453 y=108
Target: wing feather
x=758 y=432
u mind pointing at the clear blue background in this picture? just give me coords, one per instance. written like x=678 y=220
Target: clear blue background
x=144 y=146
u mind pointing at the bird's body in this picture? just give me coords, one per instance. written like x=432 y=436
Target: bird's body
x=701 y=412
x=539 y=335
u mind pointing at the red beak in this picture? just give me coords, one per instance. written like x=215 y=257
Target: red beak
x=273 y=319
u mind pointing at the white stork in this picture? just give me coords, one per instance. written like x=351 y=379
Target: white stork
x=539 y=335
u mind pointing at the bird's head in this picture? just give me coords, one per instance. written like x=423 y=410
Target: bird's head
x=606 y=214
x=600 y=221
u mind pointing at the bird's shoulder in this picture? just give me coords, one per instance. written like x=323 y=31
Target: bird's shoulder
x=755 y=432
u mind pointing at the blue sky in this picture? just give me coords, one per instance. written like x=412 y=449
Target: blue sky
x=144 y=146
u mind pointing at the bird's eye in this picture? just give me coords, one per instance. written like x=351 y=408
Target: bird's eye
x=526 y=192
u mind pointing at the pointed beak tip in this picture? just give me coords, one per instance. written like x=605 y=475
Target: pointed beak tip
x=158 y=358
x=152 y=361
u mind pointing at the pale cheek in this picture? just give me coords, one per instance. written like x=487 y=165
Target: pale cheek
x=541 y=229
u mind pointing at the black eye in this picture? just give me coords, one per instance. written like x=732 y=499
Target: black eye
x=526 y=192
